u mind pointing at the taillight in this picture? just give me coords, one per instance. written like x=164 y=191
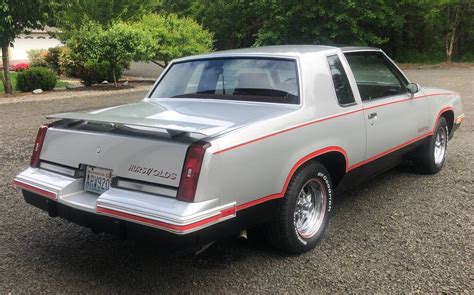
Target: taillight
x=35 y=156
x=191 y=170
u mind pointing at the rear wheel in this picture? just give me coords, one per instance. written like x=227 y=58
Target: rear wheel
x=302 y=216
x=431 y=156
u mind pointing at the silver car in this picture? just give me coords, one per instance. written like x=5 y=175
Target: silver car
x=235 y=140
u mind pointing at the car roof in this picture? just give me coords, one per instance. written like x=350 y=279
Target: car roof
x=277 y=51
x=359 y=48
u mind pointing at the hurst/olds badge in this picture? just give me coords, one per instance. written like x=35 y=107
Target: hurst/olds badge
x=152 y=172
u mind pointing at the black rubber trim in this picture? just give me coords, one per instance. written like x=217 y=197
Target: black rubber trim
x=134 y=231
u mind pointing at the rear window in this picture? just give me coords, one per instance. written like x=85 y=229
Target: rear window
x=243 y=79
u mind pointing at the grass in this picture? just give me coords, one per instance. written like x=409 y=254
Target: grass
x=13 y=75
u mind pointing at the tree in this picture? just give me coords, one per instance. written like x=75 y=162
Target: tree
x=410 y=30
x=174 y=37
x=103 y=12
x=97 y=52
x=362 y=22
x=123 y=44
x=233 y=22
x=19 y=16
x=456 y=14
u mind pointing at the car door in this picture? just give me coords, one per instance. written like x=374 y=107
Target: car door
x=394 y=118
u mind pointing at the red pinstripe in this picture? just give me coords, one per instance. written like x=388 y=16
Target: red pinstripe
x=290 y=175
x=324 y=119
x=155 y=223
x=44 y=193
x=286 y=130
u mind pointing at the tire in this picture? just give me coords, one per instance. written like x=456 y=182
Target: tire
x=431 y=155
x=298 y=225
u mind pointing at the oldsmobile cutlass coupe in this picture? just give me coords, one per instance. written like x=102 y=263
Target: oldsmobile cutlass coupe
x=236 y=139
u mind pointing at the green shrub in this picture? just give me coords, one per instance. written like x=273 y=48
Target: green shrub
x=97 y=54
x=171 y=36
x=34 y=78
x=95 y=72
x=37 y=57
x=90 y=72
x=67 y=65
x=52 y=59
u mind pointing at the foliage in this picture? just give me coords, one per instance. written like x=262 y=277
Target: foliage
x=332 y=22
x=96 y=54
x=52 y=59
x=102 y=12
x=173 y=37
x=92 y=72
x=19 y=16
x=67 y=66
x=34 y=78
x=406 y=29
x=37 y=57
x=122 y=44
x=233 y=22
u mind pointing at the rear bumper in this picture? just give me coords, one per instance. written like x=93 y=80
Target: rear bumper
x=154 y=211
x=131 y=230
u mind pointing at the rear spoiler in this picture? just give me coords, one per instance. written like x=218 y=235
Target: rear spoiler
x=172 y=127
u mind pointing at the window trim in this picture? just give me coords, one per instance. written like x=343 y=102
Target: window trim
x=401 y=78
x=344 y=105
x=292 y=59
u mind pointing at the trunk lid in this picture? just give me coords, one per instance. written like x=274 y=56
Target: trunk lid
x=151 y=159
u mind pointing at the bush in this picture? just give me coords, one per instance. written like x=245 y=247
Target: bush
x=52 y=59
x=37 y=57
x=90 y=72
x=67 y=65
x=95 y=72
x=34 y=78
x=96 y=54
x=173 y=36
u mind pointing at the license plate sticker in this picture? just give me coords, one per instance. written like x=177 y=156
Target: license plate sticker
x=97 y=179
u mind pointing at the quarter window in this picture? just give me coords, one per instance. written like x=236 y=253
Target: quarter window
x=341 y=83
x=375 y=76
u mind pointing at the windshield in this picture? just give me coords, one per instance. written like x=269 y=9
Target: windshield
x=244 y=79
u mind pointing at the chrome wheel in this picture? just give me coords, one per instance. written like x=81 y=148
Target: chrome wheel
x=310 y=208
x=441 y=142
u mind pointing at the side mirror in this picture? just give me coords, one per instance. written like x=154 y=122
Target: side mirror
x=413 y=88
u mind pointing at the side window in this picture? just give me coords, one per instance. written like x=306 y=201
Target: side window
x=341 y=83
x=375 y=76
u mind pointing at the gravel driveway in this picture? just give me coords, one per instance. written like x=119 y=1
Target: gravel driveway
x=399 y=232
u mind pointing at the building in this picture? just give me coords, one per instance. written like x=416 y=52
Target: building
x=35 y=39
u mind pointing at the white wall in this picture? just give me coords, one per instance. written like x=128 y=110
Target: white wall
x=32 y=41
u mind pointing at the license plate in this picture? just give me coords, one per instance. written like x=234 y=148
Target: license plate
x=97 y=179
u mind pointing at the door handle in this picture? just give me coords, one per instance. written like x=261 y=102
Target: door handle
x=372 y=116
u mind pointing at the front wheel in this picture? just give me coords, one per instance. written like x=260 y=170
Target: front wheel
x=303 y=214
x=431 y=155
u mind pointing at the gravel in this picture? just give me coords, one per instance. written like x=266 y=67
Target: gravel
x=400 y=232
